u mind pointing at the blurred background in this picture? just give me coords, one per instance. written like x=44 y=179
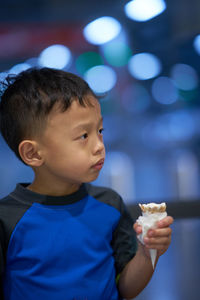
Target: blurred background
x=143 y=58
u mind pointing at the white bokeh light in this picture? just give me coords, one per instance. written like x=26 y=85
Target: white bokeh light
x=55 y=56
x=102 y=30
x=144 y=10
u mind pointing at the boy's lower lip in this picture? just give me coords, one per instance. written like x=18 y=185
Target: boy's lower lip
x=98 y=166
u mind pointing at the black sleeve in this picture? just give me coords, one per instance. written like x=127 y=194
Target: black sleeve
x=124 y=240
x=2 y=259
x=10 y=213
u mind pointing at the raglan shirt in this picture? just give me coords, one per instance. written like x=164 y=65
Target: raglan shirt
x=65 y=248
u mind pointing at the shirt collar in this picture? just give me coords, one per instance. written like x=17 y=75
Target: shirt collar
x=22 y=194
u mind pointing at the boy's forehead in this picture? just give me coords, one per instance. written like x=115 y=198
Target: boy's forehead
x=76 y=111
x=91 y=106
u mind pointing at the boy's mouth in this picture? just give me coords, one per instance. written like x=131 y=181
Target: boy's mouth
x=99 y=164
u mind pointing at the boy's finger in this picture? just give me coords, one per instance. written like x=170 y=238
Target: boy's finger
x=158 y=244
x=166 y=222
x=137 y=228
x=161 y=232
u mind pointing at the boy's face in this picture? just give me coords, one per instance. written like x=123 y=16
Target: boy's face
x=72 y=144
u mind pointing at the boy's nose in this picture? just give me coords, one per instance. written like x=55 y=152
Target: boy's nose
x=99 y=147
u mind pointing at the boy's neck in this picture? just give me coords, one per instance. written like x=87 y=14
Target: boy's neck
x=48 y=189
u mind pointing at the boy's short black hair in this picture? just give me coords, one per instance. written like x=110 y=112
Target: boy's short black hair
x=30 y=96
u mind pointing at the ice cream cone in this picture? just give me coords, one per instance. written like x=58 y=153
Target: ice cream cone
x=153 y=254
x=151 y=214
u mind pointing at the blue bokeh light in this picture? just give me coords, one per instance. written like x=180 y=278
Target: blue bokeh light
x=101 y=79
x=19 y=68
x=184 y=76
x=196 y=44
x=174 y=127
x=135 y=98
x=164 y=90
x=144 y=66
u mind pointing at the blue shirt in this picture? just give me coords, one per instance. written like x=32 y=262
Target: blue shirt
x=64 y=248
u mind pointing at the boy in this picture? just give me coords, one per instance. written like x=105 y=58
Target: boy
x=60 y=237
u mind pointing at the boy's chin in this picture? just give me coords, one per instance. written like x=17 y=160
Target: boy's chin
x=92 y=178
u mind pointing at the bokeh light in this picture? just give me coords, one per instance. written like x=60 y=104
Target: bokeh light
x=196 y=44
x=117 y=53
x=164 y=90
x=135 y=98
x=101 y=79
x=184 y=76
x=144 y=10
x=33 y=61
x=19 y=68
x=175 y=127
x=55 y=56
x=88 y=60
x=144 y=66
x=102 y=30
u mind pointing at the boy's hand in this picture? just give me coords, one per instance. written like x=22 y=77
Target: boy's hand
x=159 y=238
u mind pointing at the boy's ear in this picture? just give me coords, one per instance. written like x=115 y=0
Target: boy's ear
x=30 y=153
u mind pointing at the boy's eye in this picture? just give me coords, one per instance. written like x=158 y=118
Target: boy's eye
x=84 y=136
x=101 y=130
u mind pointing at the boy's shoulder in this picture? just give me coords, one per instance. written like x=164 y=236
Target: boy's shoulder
x=10 y=202
x=106 y=195
x=11 y=210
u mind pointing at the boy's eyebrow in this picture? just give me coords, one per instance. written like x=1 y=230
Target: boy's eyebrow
x=84 y=125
